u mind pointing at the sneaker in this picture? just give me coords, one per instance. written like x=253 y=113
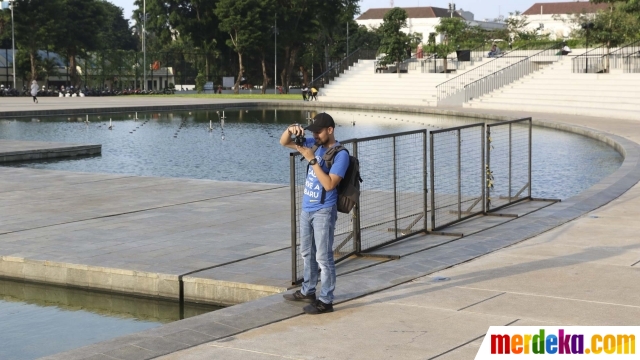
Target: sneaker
x=318 y=307
x=298 y=296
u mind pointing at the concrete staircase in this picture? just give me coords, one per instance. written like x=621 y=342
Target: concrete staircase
x=360 y=84
x=556 y=89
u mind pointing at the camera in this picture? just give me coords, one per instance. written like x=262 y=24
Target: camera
x=299 y=140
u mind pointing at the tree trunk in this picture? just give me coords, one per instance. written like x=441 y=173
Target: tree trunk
x=32 y=57
x=289 y=67
x=444 y=66
x=265 y=78
x=236 y=87
x=72 y=68
x=305 y=75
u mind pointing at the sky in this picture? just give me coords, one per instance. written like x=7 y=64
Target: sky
x=480 y=8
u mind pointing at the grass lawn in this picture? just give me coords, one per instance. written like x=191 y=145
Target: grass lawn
x=240 y=96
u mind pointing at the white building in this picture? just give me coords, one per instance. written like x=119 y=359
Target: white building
x=553 y=19
x=423 y=19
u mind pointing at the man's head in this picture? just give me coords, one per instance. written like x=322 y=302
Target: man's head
x=322 y=128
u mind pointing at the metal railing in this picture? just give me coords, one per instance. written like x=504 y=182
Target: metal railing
x=508 y=169
x=457 y=174
x=603 y=59
x=451 y=92
x=393 y=200
x=343 y=65
x=632 y=63
x=457 y=93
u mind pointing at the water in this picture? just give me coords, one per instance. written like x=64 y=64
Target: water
x=244 y=146
x=38 y=320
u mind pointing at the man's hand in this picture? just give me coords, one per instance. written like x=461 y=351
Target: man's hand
x=306 y=152
x=285 y=138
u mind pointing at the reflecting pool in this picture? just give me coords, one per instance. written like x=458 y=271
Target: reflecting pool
x=242 y=144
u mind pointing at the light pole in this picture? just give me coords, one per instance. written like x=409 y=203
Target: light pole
x=452 y=8
x=144 y=44
x=347 y=39
x=587 y=26
x=275 y=56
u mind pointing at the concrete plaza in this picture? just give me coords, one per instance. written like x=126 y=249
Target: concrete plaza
x=576 y=265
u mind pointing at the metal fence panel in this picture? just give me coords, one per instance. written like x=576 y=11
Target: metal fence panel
x=508 y=163
x=457 y=174
x=392 y=200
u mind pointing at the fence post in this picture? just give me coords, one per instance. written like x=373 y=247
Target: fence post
x=510 y=162
x=433 y=195
x=530 y=147
x=395 y=188
x=424 y=178
x=356 y=213
x=459 y=177
x=294 y=233
x=482 y=170
x=486 y=171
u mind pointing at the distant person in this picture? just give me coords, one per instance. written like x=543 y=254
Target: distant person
x=565 y=50
x=495 y=51
x=34 y=91
x=314 y=94
x=305 y=91
x=219 y=89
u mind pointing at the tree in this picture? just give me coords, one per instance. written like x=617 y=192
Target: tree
x=451 y=29
x=115 y=32
x=77 y=33
x=240 y=19
x=394 y=42
x=36 y=23
x=517 y=26
x=614 y=26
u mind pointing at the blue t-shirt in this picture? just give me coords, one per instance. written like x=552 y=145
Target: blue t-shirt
x=312 y=198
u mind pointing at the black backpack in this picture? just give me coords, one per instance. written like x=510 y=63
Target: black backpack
x=349 y=187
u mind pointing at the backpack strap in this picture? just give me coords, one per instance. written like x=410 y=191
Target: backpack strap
x=328 y=158
x=330 y=155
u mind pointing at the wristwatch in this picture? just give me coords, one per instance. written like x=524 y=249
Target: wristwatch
x=313 y=161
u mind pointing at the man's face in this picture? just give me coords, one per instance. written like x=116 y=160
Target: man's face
x=321 y=137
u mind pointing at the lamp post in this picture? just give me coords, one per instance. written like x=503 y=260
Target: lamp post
x=144 y=44
x=452 y=8
x=275 y=55
x=587 y=26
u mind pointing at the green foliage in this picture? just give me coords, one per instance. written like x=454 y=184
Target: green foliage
x=36 y=23
x=394 y=42
x=614 y=26
x=200 y=81
x=114 y=32
x=452 y=30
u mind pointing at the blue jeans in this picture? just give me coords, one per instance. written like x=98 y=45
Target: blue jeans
x=316 y=249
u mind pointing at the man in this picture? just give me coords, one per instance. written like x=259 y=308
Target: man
x=314 y=94
x=495 y=51
x=319 y=211
x=305 y=90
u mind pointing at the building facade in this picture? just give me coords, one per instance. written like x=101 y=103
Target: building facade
x=554 y=19
x=424 y=19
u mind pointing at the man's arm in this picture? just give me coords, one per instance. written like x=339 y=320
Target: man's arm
x=332 y=180
x=285 y=138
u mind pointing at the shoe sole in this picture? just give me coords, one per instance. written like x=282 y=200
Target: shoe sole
x=300 y=300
